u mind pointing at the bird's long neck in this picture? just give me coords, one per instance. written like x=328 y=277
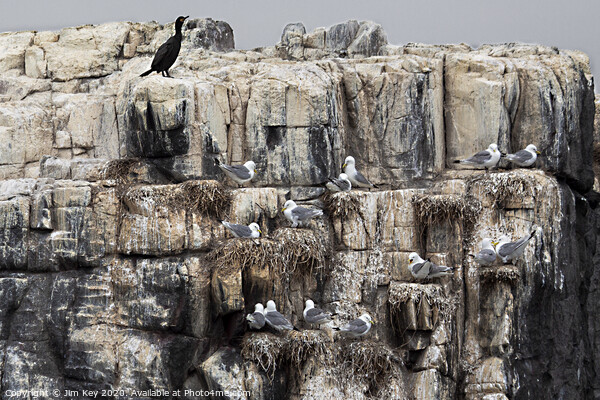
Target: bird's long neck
x=178 y=29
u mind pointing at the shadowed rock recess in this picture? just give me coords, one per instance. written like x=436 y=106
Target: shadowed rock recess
x=116 y=274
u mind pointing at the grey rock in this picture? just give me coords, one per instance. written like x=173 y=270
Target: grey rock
x=208 y=34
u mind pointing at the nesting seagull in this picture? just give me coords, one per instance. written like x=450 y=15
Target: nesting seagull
x=357 y=179
x=238 y=173
x=418 y=267
x=436 y=271
x=341 y=184
x=256 y=320
x=487 y=254
x=314 y=315
x=299 y=215
x=275 y=319
x=358 y=327
x=243 y=231
x=486 y=158
x=524 y=158
x=508 y=251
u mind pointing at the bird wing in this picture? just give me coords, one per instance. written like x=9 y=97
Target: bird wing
x=238 y=230
x=521 y=156
x=508 y=248
x=436 y=269
x=275 y=319
x=480 y=158
x=357 y=326
x=343 y=185
x=163 y=51
x=238 y=170
x=488 y=255
x=315 y=315
x=360 y=178
x=259 y=318
x=305 y=213
x=418 y=268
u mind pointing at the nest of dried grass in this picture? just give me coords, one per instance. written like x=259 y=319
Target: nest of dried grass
x=206 y=197
x=119 y=170
x=503 y=186
x=291 y=250
x=504 y=273
x=309 y=343
x=371 y=361
x=264 y=349
x=401 y=292
x=344 y=204
x=436 y=209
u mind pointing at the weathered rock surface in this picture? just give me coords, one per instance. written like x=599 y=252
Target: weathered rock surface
x=116 y=273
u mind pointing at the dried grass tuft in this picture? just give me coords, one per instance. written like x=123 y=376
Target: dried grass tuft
x=264 y=349
x=401 y=292
x=344 y=204
x=309 y=343
x=371 y=361
x=301 y=248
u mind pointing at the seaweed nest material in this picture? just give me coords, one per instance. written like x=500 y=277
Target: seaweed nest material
x=247 y=253
x=206 y=197
x=301 y=248
x=400 y=292
x=504 y=273
x=264 y=349
x=436 y=209
x=503 y=186
x=372 y=361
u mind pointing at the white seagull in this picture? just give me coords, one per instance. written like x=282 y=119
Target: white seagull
x=341 y=184
x=314 y=315
x=238 y=173
x=524 y=158
x=418 y=267
x=358 y=327
x=243 y=231
x=357 y=179
x=486 y=158
x=508 y=251
x=299 y=215
x=275 y=319
x=256 y=320
x=487 y=254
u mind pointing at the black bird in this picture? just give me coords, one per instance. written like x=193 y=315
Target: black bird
x=167 y=53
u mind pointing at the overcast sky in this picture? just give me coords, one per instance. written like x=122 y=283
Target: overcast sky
x=572 y=24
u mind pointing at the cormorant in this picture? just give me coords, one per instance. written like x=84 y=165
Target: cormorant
x=167 y=53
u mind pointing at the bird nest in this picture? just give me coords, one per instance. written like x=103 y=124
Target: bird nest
x=344 y=204
x=504 y=273
x=371 y=362
x=206 y=197
x=119 y=170
x=400 y=293
x=309 y=343
x=502 y=187
x=263 y=349
x=291 y=250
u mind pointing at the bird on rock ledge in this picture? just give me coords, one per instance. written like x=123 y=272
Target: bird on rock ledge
x=167 y=53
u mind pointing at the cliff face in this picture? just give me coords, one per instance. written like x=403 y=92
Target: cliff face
x=115 y=272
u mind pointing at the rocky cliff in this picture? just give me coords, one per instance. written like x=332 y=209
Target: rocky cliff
x=116 y=275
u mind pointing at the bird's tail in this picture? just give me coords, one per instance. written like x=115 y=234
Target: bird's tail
x=217 y=161
x=532 y=234
x=471 y=255
x=147 y=73
x=336 y=328
x=457 y=161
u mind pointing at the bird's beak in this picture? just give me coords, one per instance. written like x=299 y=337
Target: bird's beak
x=344 y=166
x=372 y=321
x=259 y=231
x=537 y=152
x=283 y=209
x=495 y=243
x=186 y=17
x=255 y=172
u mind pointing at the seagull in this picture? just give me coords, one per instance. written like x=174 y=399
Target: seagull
x=243 y=231
x=358 y=327
x=508 y=251
x=299 y=215
x=486 y=158
x=275 y=319
x=418 y=267
x=314 y=315
x=239 y=173
x=256 y=320
x=436 y=271
x=487 y=254
x=341 y=184
x=524 y=158
x=357 y=179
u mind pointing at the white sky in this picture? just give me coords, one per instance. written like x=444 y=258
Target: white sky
x=573 y=24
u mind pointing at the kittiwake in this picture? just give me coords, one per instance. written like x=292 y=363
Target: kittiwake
x=358 y=327
x=341 y=184
x=256 y=320
x=418 y=267
x=509 y=251
x=275 y=319
x=357 y=179
x=524 y=158
x=243 y=231
x=486 y=158
x=314 y=315
x=299 y=215
x=238 y=173
x=487 y=254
